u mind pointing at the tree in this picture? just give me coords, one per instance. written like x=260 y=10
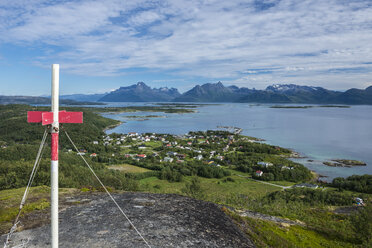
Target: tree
x=193 y=188
x=362 y=224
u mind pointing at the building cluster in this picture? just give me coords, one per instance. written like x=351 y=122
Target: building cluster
x=175 y=148
x=264 y=164
x=173 y=144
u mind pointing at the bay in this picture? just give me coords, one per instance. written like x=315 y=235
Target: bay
x=319 y=133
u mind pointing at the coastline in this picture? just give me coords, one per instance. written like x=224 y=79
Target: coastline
x=113 y=126
x=309 y=159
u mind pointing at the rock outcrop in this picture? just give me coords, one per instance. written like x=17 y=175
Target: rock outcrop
x=164 y=220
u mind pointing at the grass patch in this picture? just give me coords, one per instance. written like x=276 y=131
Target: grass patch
x=282 y=183
x=154 y=144
x=38 y=199
x=156 y=185
x=128 y=168
x=215 y=190
x=268 y=234
x=10 y=200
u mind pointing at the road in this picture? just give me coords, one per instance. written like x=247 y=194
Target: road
x=272 y=184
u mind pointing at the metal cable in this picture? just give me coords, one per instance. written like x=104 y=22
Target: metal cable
x=112 y=198
x=27 y=190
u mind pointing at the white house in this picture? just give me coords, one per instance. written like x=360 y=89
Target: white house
x=220 y=157
x=168 y=159
x=199 y=157
x=266 y=164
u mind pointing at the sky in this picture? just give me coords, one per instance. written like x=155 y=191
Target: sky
x=102 y=45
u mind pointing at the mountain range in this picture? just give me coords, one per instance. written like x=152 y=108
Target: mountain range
x=40 y=100
x=83 y=97
x=140 y=92
x=211 y=92
x=217 y=92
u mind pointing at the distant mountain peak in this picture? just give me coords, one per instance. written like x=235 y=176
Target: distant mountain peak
x=210 y=92
x=291 y=87
x=140 y=92
x=141 y=84
x=369 y=89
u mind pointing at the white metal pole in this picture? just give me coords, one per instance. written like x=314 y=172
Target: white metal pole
x=54 y=155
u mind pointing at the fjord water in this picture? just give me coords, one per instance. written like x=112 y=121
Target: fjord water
x=318 y=133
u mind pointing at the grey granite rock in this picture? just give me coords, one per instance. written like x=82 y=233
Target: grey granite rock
x=164 y=221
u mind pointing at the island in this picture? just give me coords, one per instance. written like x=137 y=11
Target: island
x=309 y=106
x=344 y=163
x=164 y=109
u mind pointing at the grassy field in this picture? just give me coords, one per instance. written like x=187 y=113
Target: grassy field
x=128 y=168
x=322 y=227
x=246 y=175
x=39 y=199
x=154 y=144
x=282 y=183
x=215 y=190
x=268 y=234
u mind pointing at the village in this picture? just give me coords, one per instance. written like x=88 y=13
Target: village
x=149 y=144
x=218 y=149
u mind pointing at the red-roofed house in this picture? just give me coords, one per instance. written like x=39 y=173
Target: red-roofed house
x=259 y=173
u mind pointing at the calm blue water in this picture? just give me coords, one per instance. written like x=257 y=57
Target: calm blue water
x=318 y=133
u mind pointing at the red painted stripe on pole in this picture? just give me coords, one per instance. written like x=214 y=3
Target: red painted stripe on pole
x=47 y=118
x=70 y=117
x=34 y=116
x=54 y=146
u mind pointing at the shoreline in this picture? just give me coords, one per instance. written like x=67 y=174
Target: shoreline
x=296 y=156
x=112 y=126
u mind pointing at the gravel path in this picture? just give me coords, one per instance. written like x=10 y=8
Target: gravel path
x=275 y=185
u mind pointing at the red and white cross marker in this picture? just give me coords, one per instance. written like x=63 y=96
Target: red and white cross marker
x=54 y=118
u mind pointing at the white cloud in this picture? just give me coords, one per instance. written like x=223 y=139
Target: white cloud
x=144 y=18
x=281 y=41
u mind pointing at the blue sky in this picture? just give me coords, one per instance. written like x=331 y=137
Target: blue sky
x=102 y=45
